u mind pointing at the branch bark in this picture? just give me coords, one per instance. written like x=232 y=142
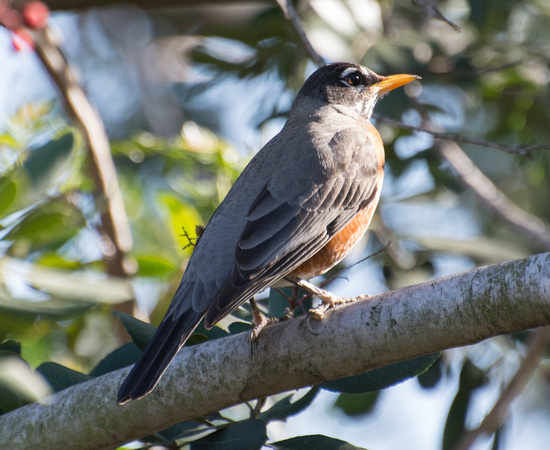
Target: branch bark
x=454 y=311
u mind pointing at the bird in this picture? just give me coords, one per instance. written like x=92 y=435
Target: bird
x=297 y=209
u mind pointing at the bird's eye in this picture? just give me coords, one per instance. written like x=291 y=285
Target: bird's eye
x=354 y=79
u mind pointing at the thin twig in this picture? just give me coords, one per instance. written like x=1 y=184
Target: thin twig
x=114 y=228
x=372 y=255
x=431 y=10
x=496 y=417
x=191 y=241
x=290 y=13
x=522 y=150
x=260 y=403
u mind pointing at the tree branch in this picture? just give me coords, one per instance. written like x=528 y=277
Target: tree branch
x=453 y=311
x=521 y=221
x=102 y=168
x=114 y=230
x=522 y=150
x=431 y=10
x=291 y=15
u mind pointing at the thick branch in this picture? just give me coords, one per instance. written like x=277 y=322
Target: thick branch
x=418 y=320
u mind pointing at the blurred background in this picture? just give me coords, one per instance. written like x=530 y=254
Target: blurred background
x=187 y=93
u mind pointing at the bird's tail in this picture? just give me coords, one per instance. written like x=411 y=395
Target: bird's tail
x=167 y=340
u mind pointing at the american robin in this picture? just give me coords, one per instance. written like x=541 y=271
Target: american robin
x=297 y=209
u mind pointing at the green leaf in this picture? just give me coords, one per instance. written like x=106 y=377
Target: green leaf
x=471 y=378
x=196 y=338
x=313 y=441
x=61 y=377
x=48 y=225
x=178 y=431
x=8 y=194
x=248 y=434
x=8 y=140
x=121 y=357
x=209 y=419
x=10 y=346
x=154 y=266
x=382 y=378
x=140 y=332
x=45 y=165
x=357 y=404
x=65 y=287
x=182 y=217
x=16 y=314
x=285 y=408
x=51 y=259
x=239 y=327
x=19 y=384
x=212 y=333
x=432 y=376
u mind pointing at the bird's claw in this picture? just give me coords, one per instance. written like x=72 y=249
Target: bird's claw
x=259 y=326
x=329 y=301
x=260 y=321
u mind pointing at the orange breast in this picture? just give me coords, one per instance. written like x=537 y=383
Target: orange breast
x=342 y=243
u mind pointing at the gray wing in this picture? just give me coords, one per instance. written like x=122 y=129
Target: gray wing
x=280 y=235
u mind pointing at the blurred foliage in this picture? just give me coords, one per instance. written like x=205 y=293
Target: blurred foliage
x=470 y=379
x=164 y=68
x=54 y=292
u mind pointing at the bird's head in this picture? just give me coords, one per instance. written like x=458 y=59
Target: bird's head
x=351 y=88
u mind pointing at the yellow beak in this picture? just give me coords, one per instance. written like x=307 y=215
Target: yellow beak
x=394 y=81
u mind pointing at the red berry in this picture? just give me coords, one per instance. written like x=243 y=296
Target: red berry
x=10 y=18
x=22 y=40
x=35 y=14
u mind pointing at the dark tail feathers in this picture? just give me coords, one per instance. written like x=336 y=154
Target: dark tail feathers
x=167 y=340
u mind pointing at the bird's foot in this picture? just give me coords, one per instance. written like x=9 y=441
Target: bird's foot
x=318 y=313
x=259 y=320
x=328 y=299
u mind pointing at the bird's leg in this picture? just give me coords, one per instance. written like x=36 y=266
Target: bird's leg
x=259 y=320
x=328 y=299
x=325 y=296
